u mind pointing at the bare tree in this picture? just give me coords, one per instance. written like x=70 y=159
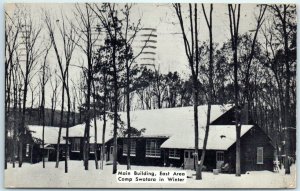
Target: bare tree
x=234 y=18
x=69 y=40
x=12 y=30
x=44 y=80
x=259 y=22
x=108 y=15
x=282 y=12
x=210 y=88
x=130 y=34
x=192 y=53
x=105 y=92
x=29 y=34
x=88 y=27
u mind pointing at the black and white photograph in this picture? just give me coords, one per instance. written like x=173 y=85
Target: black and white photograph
x=150 y=95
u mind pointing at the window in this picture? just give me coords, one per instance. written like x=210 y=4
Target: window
x=132 y=148
x=111 y=150
x=174 y=154
x=92 y=147
x=260 y=155
x=220 y=156
x=186 y=154
x=152 y=148
x=191 y=155
x=27 y=150
x=76 y=145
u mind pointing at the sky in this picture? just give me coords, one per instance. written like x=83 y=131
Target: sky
x=170 y=53
x=170 y=49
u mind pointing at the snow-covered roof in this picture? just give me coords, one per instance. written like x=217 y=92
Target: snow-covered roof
x=51 y=133
x=78 y=130
x=166 y=122
x=220 y=137
x=171 y=121
x=157 y=122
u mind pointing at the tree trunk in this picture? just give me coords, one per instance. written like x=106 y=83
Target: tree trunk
x=87 y=123
x=95 y=126
x=67 y=126
x=104 y=122
x=287 y=94
x=60 y=127
x=196 y=129
x=115 y=110
x=210 y=97
x=128 y=115
x=95 y=143
x=115 y=125
x=234 y=40
x=52 y=111
x=43 y=134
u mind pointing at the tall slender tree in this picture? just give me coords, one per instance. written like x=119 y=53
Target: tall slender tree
x=130 y=33
x=192 y=52
x=234 y=18
x=30 y=33
x=210 y=86
x=69 y=38
x=89 y=31
x=12 y=33
x=44 y=81
x=282 y=13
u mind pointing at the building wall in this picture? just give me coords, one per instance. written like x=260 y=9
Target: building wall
x=249 y=143
x=209 y=161
x=163 y=160
x=140 y=158
x=78 y=155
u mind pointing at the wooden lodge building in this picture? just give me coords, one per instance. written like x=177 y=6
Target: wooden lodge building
x=168 y=140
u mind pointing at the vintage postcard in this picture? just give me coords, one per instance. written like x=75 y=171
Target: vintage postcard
x=132 y=95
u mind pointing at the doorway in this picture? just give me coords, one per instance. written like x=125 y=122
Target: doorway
x=188 y=159
x=111 y=153
x=219 y=159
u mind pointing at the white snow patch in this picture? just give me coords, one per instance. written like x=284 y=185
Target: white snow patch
x=34 y=176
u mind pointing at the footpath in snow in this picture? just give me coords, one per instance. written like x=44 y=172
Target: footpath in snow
x=34 y=176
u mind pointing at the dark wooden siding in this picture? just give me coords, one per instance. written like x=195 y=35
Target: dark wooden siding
x=209 y=161
x=76 y=155
x=226 y=119
x=249 y=143
x=140 y=158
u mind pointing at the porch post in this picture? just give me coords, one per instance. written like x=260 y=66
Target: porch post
x=31 y=161
x=164 y=152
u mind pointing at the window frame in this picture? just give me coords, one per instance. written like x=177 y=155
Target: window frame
x=262 y=155
x=220 y=156
x=92 y=147
x=75 y=147
x=150 y=152
x=174 y=154
x=132 y=148
x=27 y=150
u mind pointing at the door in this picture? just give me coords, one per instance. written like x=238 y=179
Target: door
x=47 y=155
x=111 y=151
x=219 y=159
x=188 y=159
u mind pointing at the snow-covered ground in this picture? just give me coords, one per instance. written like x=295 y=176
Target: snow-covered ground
x=34 y=176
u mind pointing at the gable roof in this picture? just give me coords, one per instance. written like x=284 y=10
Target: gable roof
x=220 y=137
x=157 y=123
